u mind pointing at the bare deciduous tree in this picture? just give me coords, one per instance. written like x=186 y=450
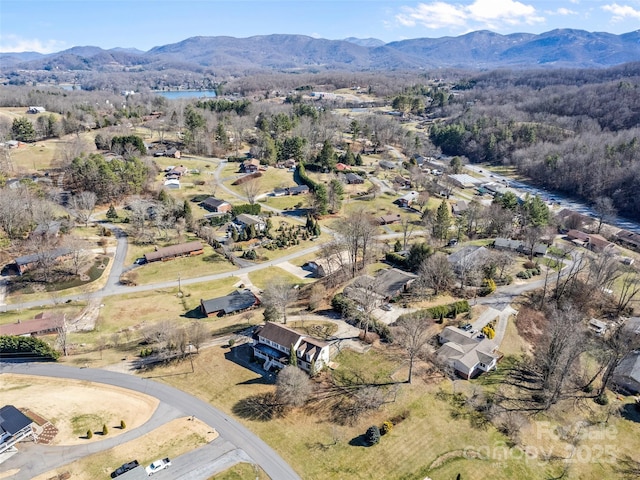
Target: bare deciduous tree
x=279 y=295
x=251 y=189
x=436 y=273
x=293 y=386
x=197 y=334
x=82 y=206
x=605 y=209
x=413 y=333
x=357 y=231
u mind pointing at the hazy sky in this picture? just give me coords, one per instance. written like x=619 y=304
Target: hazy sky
x=54 y=25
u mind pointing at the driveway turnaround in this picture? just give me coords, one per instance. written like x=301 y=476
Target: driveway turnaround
x=173 y=403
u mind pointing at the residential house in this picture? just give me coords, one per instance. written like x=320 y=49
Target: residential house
x=27 y=262
x=44 y=323
x=386 y=285
x=326 y=266
x=387 y=165
x=408 y=199
x=389 y=219
x=597 y=243
x=172 y=183
x=170 y=152
x=467 y=355
x=471 y=255
x=459 y=208
x=15 y=426
x=235 y=302
x=250 y=166
x=401 y=182
x=627 y=375
x=273 y=343
x=177 y=172
x=341 y=167
x=244 y=220
x=175 y=251
x=539 y=249
x=629 y=239
x=216 y=205
x=49 y=229
x=353 y=179
x=298 y=190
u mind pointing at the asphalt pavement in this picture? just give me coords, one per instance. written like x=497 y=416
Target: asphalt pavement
x=174 y=403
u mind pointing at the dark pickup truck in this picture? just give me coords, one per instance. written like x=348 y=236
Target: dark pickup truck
x=124 y=468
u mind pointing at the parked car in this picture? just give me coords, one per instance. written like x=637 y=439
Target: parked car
x=140 y=261
x=452 y=243
x=124 y=468
x=466 y=327
x=480 y=336
x=386 y=307
x=158 y=465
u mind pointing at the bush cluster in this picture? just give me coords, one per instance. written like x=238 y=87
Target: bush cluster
x=16 y=345
x=528 y=273
x=451 y=310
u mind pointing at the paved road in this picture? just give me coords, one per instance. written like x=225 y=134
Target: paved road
x=174 y=402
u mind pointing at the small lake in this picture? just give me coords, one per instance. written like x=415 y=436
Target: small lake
x=174 y=94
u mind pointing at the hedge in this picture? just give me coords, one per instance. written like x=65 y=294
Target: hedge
x=396 y=259
x=319 y=190
x=15 y=345
x=440 y=311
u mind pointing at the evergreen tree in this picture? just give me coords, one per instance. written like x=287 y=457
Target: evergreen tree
x=293 y=358
x=111 y=213
x=22 y=130
x=271 y=314
x=442 y=221
x=316 y=230
x=359 y=161
x=105 y=430
x=187 y=213
x=327 y=157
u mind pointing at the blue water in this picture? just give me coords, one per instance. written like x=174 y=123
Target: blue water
x=172 y=95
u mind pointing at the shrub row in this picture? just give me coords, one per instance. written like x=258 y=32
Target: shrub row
x=246 y=178
x=451 y=310
x=528 y=273
x=319 y=190
x=10 y=344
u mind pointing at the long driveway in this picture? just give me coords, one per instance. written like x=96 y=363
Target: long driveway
x=174 y=403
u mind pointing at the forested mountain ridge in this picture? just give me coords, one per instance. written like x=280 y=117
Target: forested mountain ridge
x=477 y=50
x=578 y=132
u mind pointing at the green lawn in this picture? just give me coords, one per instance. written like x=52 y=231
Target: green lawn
x=262 y=278
x=187 y=267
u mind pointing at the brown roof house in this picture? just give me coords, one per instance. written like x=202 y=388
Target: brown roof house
x=175 y=251
x=467 y=355
x=44 y=323
x=389 y=219
x=235 y=302
x=216 y=205
x=273 y=343
x=250 y=166
x=629 y=239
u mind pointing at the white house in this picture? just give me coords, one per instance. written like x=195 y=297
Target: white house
x=173 y=183
x=469 y=356
x=273 y=343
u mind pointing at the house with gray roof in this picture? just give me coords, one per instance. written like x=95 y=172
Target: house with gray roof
x=466 y=354
x=273 y=343
x=245 y=220
x=27 y=262
x=235 y=302
x=627 y=376
x=15 y=426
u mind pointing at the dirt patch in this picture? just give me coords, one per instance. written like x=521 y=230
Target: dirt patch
x=74 y=407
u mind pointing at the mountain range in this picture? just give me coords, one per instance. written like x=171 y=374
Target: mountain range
x=475 y=50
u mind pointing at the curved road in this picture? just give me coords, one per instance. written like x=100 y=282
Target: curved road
x=174 y=403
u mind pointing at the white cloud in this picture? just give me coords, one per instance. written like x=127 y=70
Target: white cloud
x=563 y=11
x=14 y=43
x=621 y=12
x=481 y=13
